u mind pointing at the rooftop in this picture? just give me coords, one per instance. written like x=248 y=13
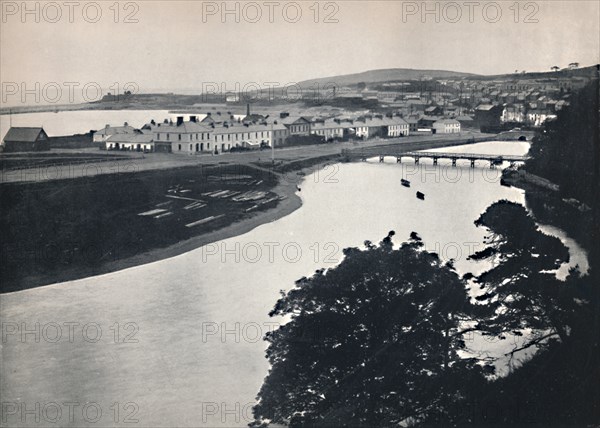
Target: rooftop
x=23 y=134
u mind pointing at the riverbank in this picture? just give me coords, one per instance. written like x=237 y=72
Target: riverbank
x=544 y=201
x=106 y=223
x=290 y=202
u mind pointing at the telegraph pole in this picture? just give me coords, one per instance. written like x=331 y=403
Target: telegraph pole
x=272 y=145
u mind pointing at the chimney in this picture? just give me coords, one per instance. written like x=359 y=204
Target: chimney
x=248 y=109
x=179 y=120
x=193 y=119
x=106 y=126
x=125 y=124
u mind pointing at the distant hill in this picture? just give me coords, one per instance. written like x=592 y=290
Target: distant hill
x=591 y=71
x=386 y=75
x=406 y=74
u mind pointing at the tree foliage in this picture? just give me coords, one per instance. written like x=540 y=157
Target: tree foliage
x=567 y=150
x=521 y=290
x=372 y=342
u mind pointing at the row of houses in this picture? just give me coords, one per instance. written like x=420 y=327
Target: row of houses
x=532 y=114
x=221 y=133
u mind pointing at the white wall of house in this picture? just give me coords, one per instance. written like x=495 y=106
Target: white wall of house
x=400 y=130
x=446 y=128
x=130 y=146
x=362 y=131
x=329 y=133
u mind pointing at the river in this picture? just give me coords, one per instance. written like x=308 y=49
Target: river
x=180 y=338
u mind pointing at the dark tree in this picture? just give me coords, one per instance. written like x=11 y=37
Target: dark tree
x=560 y=384
x=372 y=342
x=521 y=288
x=567 y=150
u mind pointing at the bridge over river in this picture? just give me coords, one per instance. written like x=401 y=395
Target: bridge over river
x=399 y=153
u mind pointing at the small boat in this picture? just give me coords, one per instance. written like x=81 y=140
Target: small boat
x=405 y=183
x=420 y=196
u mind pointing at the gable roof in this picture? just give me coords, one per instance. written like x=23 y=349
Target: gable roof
x=293 y=120
x=447 y=122
x=139 y=138
x=184 y=128
x=112 y=130
x=23 y=134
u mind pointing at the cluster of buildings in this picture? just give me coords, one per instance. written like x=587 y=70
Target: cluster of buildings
x=217 y=133
x=472 y=101
x=427 y=106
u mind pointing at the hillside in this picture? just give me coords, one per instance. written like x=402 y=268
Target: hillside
x=407 y=74
x=385 y=75
x=589 y=72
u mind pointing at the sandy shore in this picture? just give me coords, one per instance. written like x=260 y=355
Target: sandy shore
x=290 y=203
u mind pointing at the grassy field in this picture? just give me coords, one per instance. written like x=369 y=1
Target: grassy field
x=63 y=229
x=48 y=159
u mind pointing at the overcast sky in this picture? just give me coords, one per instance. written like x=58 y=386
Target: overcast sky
x=178 y=45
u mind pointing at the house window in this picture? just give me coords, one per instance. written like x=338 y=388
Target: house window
x=158 y=136
x=179 y=137
x=168 y=136
x=179 y=147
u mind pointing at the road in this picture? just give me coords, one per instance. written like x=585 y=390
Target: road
x=136 y=162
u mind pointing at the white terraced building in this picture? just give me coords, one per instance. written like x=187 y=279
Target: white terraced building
x=194 y=137
x=447 y=126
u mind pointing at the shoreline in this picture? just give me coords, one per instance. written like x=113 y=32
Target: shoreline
x=288 y=205
x=285 y=187
x=291 y=203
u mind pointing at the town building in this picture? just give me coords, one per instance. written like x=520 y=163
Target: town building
x=446 y=126
x=466 y=121
x=139 y=141
x=513 y=113
x=397 y=127
x=488 y=115
x=297 y=125
x=538 y=117
x=426 y=121
x=26 y=139
x=413 y=124
x=329 y=129
x=101 y=136
x=186 y=137
x=252 y=136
